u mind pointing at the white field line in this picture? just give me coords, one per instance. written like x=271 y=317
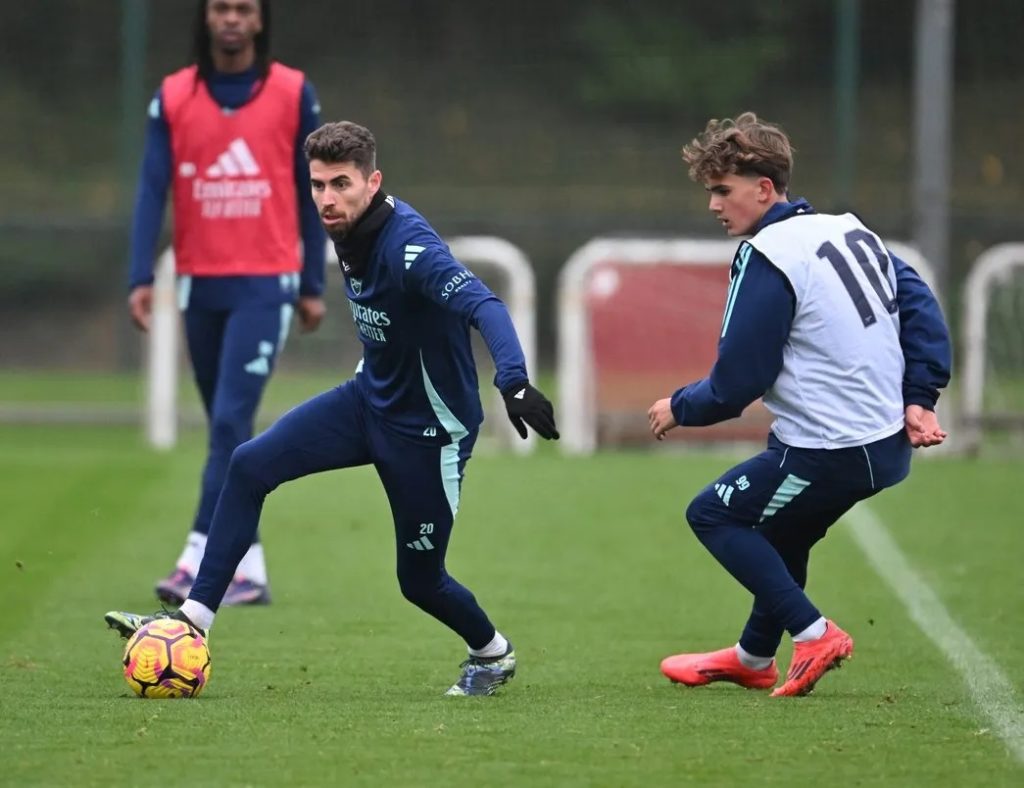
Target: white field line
x=990 y=689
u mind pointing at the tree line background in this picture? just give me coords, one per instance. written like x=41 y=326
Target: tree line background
x=544 y=123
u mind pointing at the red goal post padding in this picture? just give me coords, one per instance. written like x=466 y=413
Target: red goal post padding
x=637 y=320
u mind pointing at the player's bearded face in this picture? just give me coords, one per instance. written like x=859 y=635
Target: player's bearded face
x=341 y=194
x=233 y=24
x=739 y=201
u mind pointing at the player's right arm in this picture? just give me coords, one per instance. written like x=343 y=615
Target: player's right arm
x=150 y=200
x=755 y=327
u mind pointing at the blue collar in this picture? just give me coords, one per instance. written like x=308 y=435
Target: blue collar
x=249 y=76
x=784 y=210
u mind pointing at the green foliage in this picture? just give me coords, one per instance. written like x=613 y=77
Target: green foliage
x=544 y=123
x=655 y=66
x=55 y=264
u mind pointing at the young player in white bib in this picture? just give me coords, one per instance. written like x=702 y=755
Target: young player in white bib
x=848 y=348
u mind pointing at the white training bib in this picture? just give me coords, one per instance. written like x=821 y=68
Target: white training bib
x=841 y=382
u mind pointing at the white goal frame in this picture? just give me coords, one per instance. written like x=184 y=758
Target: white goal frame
x=577 y=418
x=162 y=357
x=992 y=268
x=164 y=339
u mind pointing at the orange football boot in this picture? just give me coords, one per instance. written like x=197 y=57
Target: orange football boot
x=695 y=670
x=812 y=659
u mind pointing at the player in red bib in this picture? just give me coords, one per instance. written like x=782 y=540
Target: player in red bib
x=224 y=137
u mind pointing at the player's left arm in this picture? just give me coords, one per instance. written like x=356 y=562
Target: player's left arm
x=311 y=280
x=445 y=281
x=924 y=338
x=313 y=241
x=927 y=353
x=755 y=328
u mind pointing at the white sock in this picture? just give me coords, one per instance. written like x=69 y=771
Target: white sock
x=252 y=567
x=752 y=661
x=192 y=555
x=198 y=613
x=813 y=632
x=496 y=648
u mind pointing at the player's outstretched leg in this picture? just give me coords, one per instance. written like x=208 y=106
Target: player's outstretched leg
x=696 y=670
x=812 y=659
x=483 y=675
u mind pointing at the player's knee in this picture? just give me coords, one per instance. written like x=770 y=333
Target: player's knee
x=227 y=434
x=701 y=514
x=248 y=465
x=420 y=589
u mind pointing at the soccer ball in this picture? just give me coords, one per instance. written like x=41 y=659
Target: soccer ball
x=167 y=658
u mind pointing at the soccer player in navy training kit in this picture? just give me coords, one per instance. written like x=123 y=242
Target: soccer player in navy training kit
x=225 y=137
x=848 y=347
x=412 y=410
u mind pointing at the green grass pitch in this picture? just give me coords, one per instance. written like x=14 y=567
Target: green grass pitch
x=586 y=564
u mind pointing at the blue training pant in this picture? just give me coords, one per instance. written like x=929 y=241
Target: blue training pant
x=233 y=352
x=761 y=518
x=422 y=480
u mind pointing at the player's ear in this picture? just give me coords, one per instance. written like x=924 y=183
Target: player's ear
x=375 y=179
x=765 y=188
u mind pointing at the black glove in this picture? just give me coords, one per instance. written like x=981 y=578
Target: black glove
x=525 y=404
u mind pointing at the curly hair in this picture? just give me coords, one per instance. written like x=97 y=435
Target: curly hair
x=744 y=146
x=336 y=143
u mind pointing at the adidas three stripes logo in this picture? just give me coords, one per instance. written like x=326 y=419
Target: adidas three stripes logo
x=236 y=160
x=420 y=544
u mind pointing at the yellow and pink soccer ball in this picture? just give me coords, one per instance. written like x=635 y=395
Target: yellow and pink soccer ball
x=167 y=658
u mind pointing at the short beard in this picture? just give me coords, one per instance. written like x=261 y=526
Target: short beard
x=231 y=49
